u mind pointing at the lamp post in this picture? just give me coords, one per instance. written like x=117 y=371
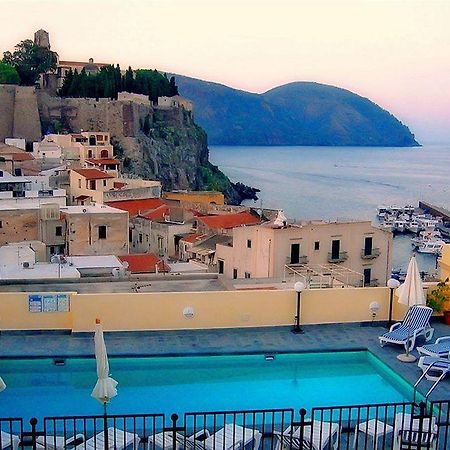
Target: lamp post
x=392 y=284
x=298 y=287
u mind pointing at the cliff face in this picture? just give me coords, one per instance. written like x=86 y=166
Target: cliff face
x=152 y=142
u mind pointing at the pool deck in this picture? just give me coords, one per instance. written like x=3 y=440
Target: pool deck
x=267 y=340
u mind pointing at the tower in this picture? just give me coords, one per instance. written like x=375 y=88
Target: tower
x=42 y=39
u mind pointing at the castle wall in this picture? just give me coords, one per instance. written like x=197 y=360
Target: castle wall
x=19 y=115
x=7 y=97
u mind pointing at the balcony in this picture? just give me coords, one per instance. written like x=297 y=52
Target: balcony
x=373 y=283
x=301 y=260
x=340 y=258
x=374 y=253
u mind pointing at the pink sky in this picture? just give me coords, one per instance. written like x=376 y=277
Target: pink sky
x=396 y=52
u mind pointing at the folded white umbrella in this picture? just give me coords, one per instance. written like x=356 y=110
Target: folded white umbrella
x=105 y=388
x=2 y=385
x=411 y=293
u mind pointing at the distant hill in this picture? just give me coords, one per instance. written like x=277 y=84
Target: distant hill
x=300 y=113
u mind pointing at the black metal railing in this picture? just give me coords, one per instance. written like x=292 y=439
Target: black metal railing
x=389 y=426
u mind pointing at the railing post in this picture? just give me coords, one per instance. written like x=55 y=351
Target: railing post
x=422 y=412
x=302 y=427
x=33 y=423
x=174 y=418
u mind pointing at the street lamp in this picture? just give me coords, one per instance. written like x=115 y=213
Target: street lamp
x=298 y=287
x=392 y=284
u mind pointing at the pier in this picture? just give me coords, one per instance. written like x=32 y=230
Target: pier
x=435 y=210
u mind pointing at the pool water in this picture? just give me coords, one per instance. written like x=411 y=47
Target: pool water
x=39 y=388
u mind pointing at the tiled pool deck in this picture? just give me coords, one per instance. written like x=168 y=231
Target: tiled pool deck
x=333 y=337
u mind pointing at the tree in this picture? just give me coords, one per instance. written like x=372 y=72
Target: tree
x=173 y=88
x=30 y=61
x=8 y=74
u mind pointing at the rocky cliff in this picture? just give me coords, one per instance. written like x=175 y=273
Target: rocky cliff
x=152 y=142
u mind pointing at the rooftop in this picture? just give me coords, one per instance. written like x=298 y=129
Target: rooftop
x=100 y=162
x=135 y=206
x=144 y=263
x=90 y=209
x=156 y=214
x=226 y=221
x=93 y=174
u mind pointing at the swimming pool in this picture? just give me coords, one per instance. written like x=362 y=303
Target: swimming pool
x=38 y=387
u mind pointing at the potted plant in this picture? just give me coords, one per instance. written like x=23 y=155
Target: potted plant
x=439 y=299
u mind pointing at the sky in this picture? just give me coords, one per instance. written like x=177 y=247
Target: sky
x=395 y=52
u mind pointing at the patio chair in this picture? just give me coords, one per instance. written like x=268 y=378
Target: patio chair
x=417 y=320
x=436 y=368
x=407 y=432
x=230 y=437
x=53 y=442
x=164 y=440
x=316 y=437
x=440 y=349
x=8 y=440
x=117 y=440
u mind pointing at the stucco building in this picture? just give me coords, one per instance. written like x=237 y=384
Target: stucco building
x=264 y=251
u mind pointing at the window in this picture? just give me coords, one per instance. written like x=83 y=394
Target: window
x=89 y=153
x=102 y=232
x=234 y=274
x=368 y=246
x=130 y=235
x=317 y=245
x=249 y=243
x=52 y=250
x=58 y=231
x=335 y=248
x=104 y=154
x=104 y=182
x=221 y=266
x=92 y=185
x=1 y=224
x=295 y=253
x=367 y=276
x=140 y=238
x=247 y=275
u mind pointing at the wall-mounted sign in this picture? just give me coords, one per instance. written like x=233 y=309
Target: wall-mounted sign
x=38 y=303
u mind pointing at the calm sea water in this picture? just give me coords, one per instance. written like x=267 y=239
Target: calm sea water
x=342 y=182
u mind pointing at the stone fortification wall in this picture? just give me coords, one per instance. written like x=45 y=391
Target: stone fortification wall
x=19 y=116
x=7 y=98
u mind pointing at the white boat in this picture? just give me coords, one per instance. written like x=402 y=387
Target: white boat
x=413 y=226
x=432 y=246
x=427 y=223
x=426 y=236
x=387 y=225
x=382 y=211
x=400 y=225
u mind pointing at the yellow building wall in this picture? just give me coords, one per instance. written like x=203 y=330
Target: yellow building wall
x=444 y=263
x=197 y=197
x=224 y=309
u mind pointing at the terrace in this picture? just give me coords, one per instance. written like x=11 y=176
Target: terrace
x=162 y=326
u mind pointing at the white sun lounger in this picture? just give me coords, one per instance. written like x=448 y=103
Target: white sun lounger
x=164 y=440
x=8 y=440
x=53 y=442
x=316 y=437
x=117 y=440
x=440 y=349
x=440 y=366
x=416 y=323
x=230 y=437
x=406 y=433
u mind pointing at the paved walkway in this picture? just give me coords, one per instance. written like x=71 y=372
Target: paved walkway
x=317 y=338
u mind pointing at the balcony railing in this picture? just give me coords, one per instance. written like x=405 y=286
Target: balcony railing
x=301 y=260
x=374 y=253
x=341 y=257
x=384 y=426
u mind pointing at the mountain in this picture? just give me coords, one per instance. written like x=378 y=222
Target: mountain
x=300 y=113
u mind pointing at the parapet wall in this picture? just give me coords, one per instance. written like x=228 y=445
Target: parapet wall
x=221 y=309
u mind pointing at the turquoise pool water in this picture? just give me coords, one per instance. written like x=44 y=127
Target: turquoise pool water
x=37 y=387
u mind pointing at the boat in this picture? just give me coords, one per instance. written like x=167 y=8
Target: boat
x=399 y=225
x=387 y=225
x=413 y=226
x=432 y=246
x=382 y=211
x=426 y=222
x=426 y=236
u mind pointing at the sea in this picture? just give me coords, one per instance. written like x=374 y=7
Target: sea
x=343 y=182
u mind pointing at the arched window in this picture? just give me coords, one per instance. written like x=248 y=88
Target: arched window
x=104 y=154
x=92 y=140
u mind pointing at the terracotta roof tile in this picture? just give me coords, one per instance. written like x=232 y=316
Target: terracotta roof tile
x=102 y=161
x=226 y=221
x=191 y=238
x=144 y=263
x=156 y=214
x=93 y=174
x=22 y=156
x=135 y=206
